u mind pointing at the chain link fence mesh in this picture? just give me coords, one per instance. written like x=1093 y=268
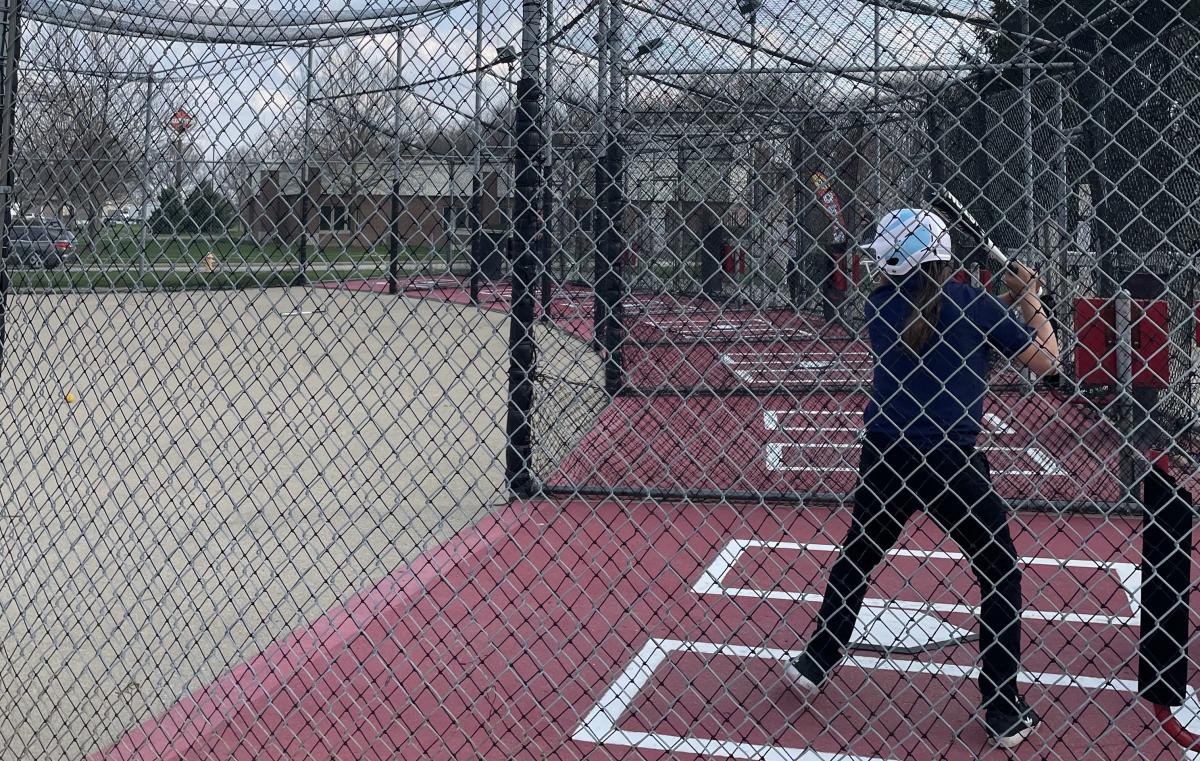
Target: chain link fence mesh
x=517 y=380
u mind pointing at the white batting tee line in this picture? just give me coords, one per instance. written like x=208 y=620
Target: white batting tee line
x=600 y=724
x=1128 y=576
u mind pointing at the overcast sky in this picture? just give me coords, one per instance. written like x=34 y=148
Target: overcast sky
x=242 y=93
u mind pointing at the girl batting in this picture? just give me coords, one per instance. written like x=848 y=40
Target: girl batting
x=933 y=340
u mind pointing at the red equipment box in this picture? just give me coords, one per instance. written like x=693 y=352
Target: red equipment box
x=1096 y=352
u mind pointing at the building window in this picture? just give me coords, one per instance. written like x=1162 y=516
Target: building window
x=335 y=218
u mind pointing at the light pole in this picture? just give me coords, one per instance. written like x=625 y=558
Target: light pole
x=749 y=11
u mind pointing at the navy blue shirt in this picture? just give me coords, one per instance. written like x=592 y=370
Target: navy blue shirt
x=936 y=396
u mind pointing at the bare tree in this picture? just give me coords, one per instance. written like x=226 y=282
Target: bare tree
x=349 y=142
x=238 y=176
x=79 y=132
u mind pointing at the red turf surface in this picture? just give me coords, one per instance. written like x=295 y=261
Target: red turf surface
x=1039 y=448
x=520 y=639
x=577 y=629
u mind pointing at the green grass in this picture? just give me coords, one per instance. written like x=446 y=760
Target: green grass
x=180 y=280
x=122 y=246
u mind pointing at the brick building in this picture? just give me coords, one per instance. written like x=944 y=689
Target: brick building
x=351 y=205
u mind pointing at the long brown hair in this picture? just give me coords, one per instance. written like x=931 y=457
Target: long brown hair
x=926 y=305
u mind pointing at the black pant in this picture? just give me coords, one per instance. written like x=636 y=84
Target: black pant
x=954 y=484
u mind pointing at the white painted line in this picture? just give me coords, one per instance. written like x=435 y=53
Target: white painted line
x=796 y=361
x=712 y=578
x=773 y=454
x=750 y=371
x=600 y=724
x=771 y=422
x=1050 y=466
x=697 y=328
x=997 y=425
x=301 y=313
x=747 y=355
x=776 y=365
x=733 y=367
x=799 y=375
x=711 y=581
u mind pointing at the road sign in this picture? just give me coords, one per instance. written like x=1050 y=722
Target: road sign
x=181 y=120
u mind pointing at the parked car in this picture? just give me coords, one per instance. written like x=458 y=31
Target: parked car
x=40 y=243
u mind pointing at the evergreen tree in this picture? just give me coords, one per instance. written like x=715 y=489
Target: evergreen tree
x=204 y=210
x=207 y=209
x=171 y=216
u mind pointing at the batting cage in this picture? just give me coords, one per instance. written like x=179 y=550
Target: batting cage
x=456 y=379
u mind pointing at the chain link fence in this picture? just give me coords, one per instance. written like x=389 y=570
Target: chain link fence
x=547 y=380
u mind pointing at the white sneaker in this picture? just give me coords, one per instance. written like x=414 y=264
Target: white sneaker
x=1010 y=727
x=803 y=677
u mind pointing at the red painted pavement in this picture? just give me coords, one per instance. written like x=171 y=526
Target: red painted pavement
x=1039 y=448
x=520 y=639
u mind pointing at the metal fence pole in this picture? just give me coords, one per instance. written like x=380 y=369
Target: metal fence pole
x=1027 y=190
x=8 y=106
x=528 y=193
x=1066 y=284
x=615 y=244
x=795 y=256
x=756 y=194
x=305 y=179
x=548 y=247
x=600 y=220
x=1096 y=94
x=476 y=244
x=875 y=121
x=1123 y=327
x=934 y=129
x=393 y=274
x=143 y=230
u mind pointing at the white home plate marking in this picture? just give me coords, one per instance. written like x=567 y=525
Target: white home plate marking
x=891 y=628
x=815 y=422
x=1127 y=575
x=600 y=724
